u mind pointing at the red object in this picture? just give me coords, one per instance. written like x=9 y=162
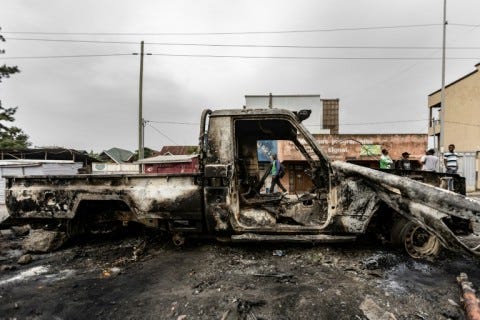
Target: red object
x=190 y=166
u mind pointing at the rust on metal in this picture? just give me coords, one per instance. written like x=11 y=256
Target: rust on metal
x=470 y=300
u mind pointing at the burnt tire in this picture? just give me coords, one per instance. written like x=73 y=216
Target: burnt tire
x=396 y=237
x=75 y=227
x=416 y=241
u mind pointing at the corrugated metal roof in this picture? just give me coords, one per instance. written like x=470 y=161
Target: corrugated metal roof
x=46 y=154
x=168 y=159
x=32 y=162
x=118 y=155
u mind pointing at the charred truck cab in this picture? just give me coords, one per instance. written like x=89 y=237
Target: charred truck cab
x=233 y=202
x=224 y=199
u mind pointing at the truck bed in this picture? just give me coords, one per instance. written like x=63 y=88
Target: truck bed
x=146 y=197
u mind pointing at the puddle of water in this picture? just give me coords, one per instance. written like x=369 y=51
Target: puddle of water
x=24 y=275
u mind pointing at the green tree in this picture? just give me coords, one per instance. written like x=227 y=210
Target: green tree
x=94 y=155
x=147 y=153
x=11 y=137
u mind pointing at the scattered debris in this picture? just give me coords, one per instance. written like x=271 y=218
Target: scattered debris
x=138 y=250
x=242 y=310
x=279 y=253
x=372 y=311
x=453 y=303
x=13 y=253
x=227 y=284
x=421 y=316
x=7 y=267
x=470 y=300
x=107 y=273
x=21 y=231
x=274 y=275
x=25 y=259
x=43 y=240
x=380 y=261
x=6 y=233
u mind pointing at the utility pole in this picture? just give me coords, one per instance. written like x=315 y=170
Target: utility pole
x=140 y=107
x=141 y=122
x=441 y=142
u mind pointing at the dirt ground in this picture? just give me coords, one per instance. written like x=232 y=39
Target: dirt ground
x=144 y=276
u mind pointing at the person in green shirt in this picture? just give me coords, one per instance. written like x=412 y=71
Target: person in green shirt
x=276 y=173
x=385 y=161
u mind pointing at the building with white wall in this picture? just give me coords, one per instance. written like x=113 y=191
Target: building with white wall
x=315 y=123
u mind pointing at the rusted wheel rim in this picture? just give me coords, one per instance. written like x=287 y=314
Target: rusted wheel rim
x=419 y=242
x=178 y=239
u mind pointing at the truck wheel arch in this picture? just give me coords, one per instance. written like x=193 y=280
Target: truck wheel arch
x=103 y=207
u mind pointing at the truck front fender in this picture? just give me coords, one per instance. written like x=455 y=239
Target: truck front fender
x=421 y=203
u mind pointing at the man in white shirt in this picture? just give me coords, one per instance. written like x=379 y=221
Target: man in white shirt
x=429 y=161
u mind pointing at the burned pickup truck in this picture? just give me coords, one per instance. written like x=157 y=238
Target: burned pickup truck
x=224 y=199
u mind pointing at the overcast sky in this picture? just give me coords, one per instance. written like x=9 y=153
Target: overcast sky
x=91 y=102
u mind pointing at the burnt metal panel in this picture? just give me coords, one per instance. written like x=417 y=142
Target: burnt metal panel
x=216 y=171
x=216 y=209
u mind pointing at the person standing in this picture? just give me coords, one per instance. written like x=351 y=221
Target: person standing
x=385 y=161
x=276 y=173
x=404 y=163
x=450 y=159
x=429 y=161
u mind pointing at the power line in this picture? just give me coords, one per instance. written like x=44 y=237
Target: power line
x=310 y=125
x=245 y=45
x=393 y=76
x=243 y=57
x=70 y=56
x=464 y=25
x=72 y=40
x=226 y=33
x=163 y=134
x=423 y=129
x=341 y=124
x=307 y=58
x=411 y=66
x=175 y=122
x=381 y=122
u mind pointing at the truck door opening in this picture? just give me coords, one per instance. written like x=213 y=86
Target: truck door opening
x=306 y=202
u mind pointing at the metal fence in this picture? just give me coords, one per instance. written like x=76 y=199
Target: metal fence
x=467 y=168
